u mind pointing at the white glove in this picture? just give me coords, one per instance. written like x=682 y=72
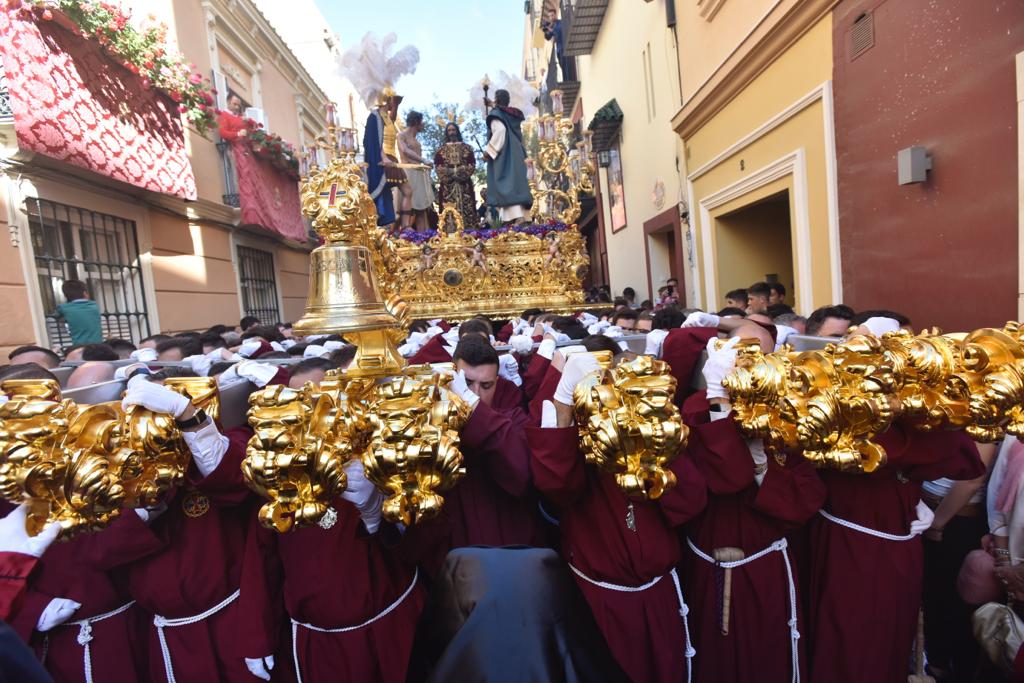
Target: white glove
x=333 y=345
x=155 y=397
x=125 y=370
x=249 y=347
x=260 y=667
x=208 y=447
x=520 y=326
x=924 y=520
x=879 y=326
x=560 y=336
x=508 y=367
x=417 y=339
x=277 y=347
x=782 y=333
x=143 y=355
x=701 y=319
x=288 y=343
x=406 y=350
x=521 y=343
x=14 y=538
x=720 y=363
x=256 y=372
x=200 y=364
x=547 y=349
x=314 y=338
x=588 y=319
x=598 y=327
x=364 y=495
x=613 y=331
x=56 y=613
x=219 y=355
x=760 y=458
x=148 y=515
x=577 y=367
x=548 y=415
x=451 y=336
x=433 y=332
x=459 y=387
x=655 y=338
x=314 y=351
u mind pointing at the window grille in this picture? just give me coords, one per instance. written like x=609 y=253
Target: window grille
x=101 y=250
x=258 y=284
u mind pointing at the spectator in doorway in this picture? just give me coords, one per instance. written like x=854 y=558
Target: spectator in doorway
x=629 y=294
x=778 y=295
x=737 y=298
x=758 y=295
x=81 y=313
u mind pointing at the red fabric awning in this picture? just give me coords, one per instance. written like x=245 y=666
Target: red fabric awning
x=73 y=102
x=268 y=197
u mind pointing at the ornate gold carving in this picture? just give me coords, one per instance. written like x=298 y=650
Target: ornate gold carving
x=629 y=425
x=79 y=465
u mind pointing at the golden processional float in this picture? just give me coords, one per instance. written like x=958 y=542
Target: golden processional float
x=83 y=464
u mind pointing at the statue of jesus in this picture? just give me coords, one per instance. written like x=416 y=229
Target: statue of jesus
x=455 y=164
x=507 y=188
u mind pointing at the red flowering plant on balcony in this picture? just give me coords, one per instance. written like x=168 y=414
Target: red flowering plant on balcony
x=142 y=50
x=271 y=147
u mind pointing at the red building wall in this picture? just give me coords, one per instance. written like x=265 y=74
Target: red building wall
x=940 y=75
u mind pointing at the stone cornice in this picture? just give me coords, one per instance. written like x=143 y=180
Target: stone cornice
x=775 y=34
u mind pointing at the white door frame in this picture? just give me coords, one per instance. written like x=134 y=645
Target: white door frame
x=793 y=164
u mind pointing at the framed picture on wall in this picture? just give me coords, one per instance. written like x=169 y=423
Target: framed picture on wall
x=616 y=189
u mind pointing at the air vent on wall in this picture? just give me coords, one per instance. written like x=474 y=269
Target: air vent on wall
x=862 y=35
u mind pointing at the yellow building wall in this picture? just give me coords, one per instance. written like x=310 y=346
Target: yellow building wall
x=615 y=69
x=801 y=69
x=17 y=329
x=704 y=45
x=293 y=278
x=193 y=275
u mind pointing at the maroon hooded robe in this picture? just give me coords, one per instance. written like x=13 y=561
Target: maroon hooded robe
x=865 y=592
x=644 y=629
x=741 y=514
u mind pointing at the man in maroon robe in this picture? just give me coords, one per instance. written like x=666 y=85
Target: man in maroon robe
x=350 y=605
x=753 y=501
x=494 y=503
x=19 y=556
x=441 y=347
x=867 y=560
x=77 y=614
x=622 y=551
x=190 y=584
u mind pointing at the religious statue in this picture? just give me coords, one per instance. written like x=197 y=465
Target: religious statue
x=478 y=257
x=373 y=71
x=426 y=259
x=507 y=187
x=554 y=249
x=455 y=164
x=420 y=189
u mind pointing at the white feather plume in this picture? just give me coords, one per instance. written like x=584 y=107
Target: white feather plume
x=522 y=95
x=371 y=66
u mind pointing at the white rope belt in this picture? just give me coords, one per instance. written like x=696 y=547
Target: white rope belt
x=865 y=530
x=85 y=636
x=778 y=546
x=684 y=609
x=163 y=622
x=346 y=629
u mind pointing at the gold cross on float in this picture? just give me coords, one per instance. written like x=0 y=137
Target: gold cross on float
x=331 y=195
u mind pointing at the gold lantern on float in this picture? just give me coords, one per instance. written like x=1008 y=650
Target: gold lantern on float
x=402 y=424
x=629 y=426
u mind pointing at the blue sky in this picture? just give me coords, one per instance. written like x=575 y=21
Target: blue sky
x=458 y=40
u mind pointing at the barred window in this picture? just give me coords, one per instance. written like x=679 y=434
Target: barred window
x=258 y=284
x=101 y=250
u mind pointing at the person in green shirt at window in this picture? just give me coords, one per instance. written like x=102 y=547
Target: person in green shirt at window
x=81 y=313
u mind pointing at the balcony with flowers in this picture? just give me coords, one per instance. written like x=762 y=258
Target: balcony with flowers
x=261 y=174
x=88 y=88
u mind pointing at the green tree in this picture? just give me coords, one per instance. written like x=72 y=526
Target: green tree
x=472 y=125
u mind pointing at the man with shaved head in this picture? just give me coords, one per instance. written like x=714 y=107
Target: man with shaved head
x=92 y=372
x=754 y=500
x=44 y=358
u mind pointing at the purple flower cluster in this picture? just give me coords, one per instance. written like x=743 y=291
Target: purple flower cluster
x=537 y=229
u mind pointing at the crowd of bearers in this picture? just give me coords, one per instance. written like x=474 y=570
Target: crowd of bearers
x=754 y=566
